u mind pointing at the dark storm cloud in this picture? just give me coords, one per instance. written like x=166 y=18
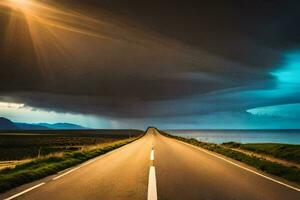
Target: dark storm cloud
x=163 y=58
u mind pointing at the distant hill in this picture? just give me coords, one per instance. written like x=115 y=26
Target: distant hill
x=62 y=126
x=25 y=126
x=6 y=124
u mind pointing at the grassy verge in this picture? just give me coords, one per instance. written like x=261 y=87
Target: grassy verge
x=288 y=173
x=42 y=167
x=286 y=152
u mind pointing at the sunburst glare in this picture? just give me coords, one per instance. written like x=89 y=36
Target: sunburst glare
x=49 y=27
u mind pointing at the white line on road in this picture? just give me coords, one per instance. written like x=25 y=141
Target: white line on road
x=88 y=162
x=57 y=177
x=152 y=191
x=152 y=155
x=25 y=191
x=245 y=168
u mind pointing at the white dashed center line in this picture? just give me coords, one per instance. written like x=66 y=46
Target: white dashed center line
x=152 y=190
x=152 y=155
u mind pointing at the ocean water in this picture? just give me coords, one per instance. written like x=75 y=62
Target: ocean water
x=242 y=136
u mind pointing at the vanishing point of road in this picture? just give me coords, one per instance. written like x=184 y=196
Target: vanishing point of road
x=156 y=167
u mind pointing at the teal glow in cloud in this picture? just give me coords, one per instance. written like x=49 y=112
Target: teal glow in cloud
x=286 y=91
x=290 y=71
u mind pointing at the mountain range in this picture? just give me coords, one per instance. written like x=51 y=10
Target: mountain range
x=6 y=124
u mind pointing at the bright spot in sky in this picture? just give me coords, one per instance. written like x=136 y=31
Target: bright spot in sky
x=20 y=4
x=10 y=105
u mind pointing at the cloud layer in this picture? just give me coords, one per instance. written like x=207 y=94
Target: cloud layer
x=150 y=59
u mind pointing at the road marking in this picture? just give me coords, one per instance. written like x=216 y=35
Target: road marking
x=25 y=191
x=68 y=172
x=152 y=155
x=245 y=168
x=152 y=191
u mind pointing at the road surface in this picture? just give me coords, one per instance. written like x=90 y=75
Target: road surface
x=177 y=171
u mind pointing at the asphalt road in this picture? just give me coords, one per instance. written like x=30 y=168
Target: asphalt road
x=182 y=172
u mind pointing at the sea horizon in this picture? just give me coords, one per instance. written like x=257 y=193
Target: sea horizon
x=285 y=136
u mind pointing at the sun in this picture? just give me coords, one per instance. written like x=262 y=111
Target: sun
x=20 y=4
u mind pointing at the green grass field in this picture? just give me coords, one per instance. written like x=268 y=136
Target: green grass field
x=287 y=152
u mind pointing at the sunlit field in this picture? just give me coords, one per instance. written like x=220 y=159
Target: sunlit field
x=32 y=144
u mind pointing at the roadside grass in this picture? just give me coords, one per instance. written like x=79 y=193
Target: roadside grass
x=51 y=164
x=288 y=152
x=12 y=163
x=288 y=173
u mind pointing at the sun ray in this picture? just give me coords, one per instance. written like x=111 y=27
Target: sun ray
x=42 y=21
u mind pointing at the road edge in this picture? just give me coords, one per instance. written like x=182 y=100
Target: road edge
x=242 y=165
